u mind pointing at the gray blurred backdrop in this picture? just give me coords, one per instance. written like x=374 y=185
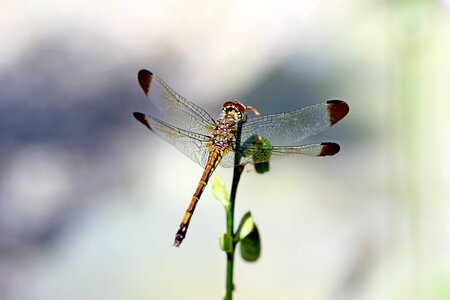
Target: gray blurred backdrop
x=90 y=200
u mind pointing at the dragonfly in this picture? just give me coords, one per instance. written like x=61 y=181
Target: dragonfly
x=210 y=142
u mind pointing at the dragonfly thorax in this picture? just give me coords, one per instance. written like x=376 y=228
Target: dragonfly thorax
x=223 y=133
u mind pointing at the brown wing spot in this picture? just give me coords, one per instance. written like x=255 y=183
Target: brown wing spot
x=143 y=119
x=337 y=109
x=145 y=79
x=329 y=149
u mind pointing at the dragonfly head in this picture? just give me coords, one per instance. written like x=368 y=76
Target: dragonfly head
x=235 y=109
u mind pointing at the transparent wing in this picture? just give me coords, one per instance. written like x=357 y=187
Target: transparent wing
x=171 y=108
x=191 y=144
x=288 y=129
x=259 y=154
x=228 y=160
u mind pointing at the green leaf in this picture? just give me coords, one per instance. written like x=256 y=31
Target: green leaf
x=262 y=167
x=251 y=246
x=245 y=227
x=260 y=150
x=219 y=191
x=226 y=243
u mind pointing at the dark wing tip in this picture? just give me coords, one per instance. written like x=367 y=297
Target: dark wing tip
x=337 y=109
x=143 y=119
x=329 y=149
x=145 y=79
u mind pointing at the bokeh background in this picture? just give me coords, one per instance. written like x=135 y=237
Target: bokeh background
x=90 y=200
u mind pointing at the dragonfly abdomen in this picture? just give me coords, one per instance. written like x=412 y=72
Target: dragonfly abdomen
x=213 y=161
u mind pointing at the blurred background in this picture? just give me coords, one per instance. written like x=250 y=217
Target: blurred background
x=90 y=200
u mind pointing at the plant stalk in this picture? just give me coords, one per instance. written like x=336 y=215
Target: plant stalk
x=237 y=172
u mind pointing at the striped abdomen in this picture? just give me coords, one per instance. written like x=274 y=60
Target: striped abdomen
x=213 y=161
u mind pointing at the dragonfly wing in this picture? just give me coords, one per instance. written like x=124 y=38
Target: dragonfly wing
x=258 y=154
x=276 y=152
x=191 y=144
x=287 y=129
x=228 y=160
x=171 y=108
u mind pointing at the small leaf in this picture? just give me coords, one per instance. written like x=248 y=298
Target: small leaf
x=219 y=191
x=245 y=227
x=251 y=246
x=226 y=243
x=260 y=150
x=261 y=168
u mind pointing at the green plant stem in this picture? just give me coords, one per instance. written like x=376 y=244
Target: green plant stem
x=237 y=172
x=230 y=231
